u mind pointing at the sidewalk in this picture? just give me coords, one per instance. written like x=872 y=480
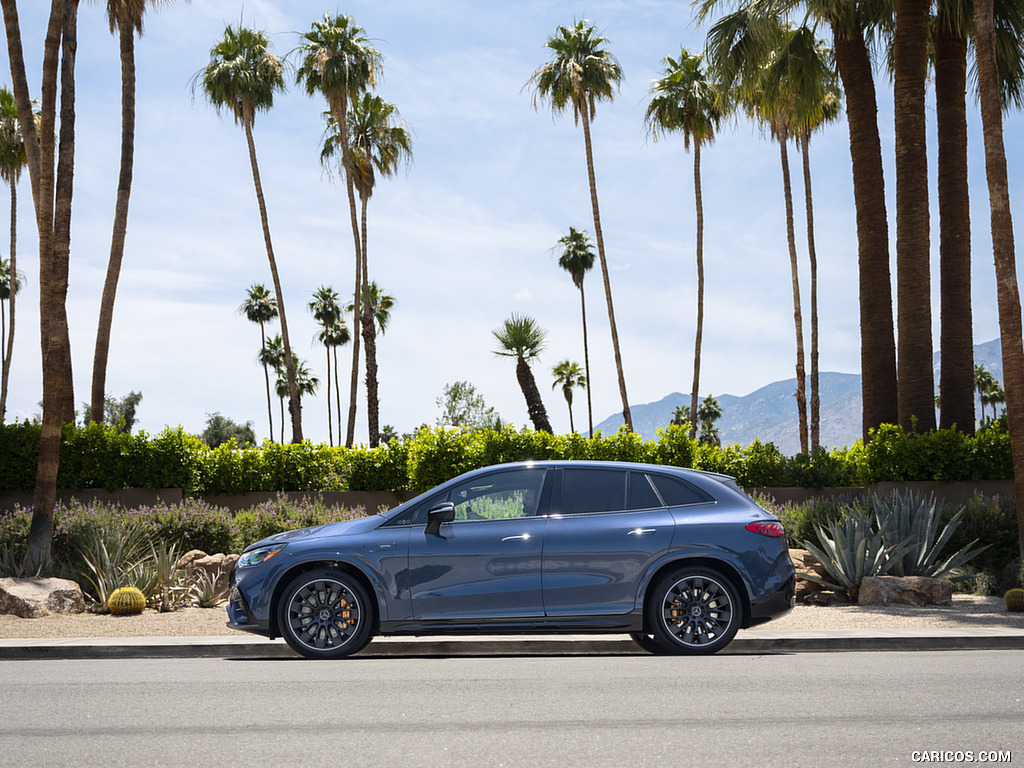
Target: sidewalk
x=752 y=641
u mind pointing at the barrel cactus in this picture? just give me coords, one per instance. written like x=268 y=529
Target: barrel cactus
x=1014 y=600
x=126 y=600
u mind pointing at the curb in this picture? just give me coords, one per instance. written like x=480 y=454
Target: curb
x=752 y=642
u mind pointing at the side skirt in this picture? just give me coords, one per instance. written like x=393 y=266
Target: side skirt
x=619 y=624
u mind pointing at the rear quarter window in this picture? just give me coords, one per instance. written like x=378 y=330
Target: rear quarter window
x=678 y=493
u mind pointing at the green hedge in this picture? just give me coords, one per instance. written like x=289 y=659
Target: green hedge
x=97 y=456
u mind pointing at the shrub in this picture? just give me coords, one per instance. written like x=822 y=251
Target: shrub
x=280 y=514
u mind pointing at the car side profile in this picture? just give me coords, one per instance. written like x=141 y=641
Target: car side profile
x=678 y=559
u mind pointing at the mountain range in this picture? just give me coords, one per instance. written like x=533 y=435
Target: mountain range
x=769 y=413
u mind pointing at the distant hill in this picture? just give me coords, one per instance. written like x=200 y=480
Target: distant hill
x=769 y=413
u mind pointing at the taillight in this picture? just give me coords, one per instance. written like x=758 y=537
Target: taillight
x=775 y=530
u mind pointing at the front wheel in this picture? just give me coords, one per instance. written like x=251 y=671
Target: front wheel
x=325 y=614
x=694 y=611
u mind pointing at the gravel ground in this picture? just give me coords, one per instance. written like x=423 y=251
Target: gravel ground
x=966 y=612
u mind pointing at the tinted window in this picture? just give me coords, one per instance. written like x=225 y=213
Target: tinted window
x=641 y=494
x=499 y=496
x=677 y=493
x=593 y=490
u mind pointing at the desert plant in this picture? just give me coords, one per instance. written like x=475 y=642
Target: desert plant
x=851 y=550
x=124 y=601
x=1014 y=600
x=112 y=557
x=204 y=591
x=165 y=566
x=911 y=523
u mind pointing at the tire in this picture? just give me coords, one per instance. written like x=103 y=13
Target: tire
x=694 y=611
x=325 y=614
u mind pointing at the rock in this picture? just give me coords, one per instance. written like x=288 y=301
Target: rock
x=826 y=597
x=216 y=566
x=32 y=598
x=186 y=560
x=905 y=590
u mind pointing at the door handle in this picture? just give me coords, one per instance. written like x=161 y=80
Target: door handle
x=520 y=537
x=642 y=531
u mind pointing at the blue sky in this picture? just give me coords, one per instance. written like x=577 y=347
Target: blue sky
x=464 y=238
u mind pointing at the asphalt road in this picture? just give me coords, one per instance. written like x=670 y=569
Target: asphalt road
x=813 y=709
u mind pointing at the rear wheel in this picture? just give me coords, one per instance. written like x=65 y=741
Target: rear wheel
x=325 y=614
x=694 y=611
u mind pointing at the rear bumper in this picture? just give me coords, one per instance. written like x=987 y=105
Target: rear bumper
x=773 y=606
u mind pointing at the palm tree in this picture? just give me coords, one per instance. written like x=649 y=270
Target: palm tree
x=684 y=100
x=1008 y=293
x=577 y=258
x=982 y=382
x=272 y=356
x=10 y=284
x=260 y=307
x=333 y=336
x=12 y=160
x=125 y=17
x=568 y=376
x=709 y=411
x=339 y=63
x=916 y=390
x=680 y=416
x=379 y=144
x=326 y=311
x=522 y=338
x=993 y=396
x=243 y=77
x=50 y=164
x=305 y=382
x=581 y=73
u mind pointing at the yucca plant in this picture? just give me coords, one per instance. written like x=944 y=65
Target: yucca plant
x=165 y=567
x=912 y=523
x=851 y=550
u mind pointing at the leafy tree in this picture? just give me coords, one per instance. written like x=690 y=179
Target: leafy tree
x=339 y=63
x=117 y=412
x=577 y=258
x=568 y=376
x=684 y=100
x=522 y=338
x=13 y=160
x=243 y=77
x=260 y=307
x=220 y=429
x=125 y=17
x=581 y=72
x=462 y=406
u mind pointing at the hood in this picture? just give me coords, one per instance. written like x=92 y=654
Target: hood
x=343 y=528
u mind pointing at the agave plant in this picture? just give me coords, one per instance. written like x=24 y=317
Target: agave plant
x=165 y=567
x=114 y=557
x=912 y=522
x=851 y=550
x=205 y=592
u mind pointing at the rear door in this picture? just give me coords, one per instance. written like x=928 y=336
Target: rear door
x=607 y=525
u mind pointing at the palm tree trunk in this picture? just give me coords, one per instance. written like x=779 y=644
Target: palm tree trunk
x=801 y=376
x=42 y=170
x=586 y=361
x=63 y=191
x=370 y=339
x=956 y=337
x=14 y=284
x=599 y=236
x=266 y=379
x=568 y=401
x=330 y=416
x=699 y=334
x=293 y=393
x=337 y=394
x=878 y=343
x=1010 y=332
x=339 y=110
x=812 y=254
x=534 y=403
x=124 y=189
x=916 y=380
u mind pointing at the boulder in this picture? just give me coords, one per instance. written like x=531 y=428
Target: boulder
x=905 y=590
x=32 y=598
x=216 y=566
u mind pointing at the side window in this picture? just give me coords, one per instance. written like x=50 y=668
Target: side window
x=641 y=493
x=586 y=491
x=500 y=496
x=677 y=493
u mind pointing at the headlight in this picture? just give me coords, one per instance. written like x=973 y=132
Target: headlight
x=257 y=556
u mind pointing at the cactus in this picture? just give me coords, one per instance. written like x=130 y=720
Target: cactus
x=126 y=600
x=1014 y=600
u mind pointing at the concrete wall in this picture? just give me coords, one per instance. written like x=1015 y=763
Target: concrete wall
x=951 y=493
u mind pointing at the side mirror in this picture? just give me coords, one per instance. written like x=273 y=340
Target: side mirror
x=437 y=514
